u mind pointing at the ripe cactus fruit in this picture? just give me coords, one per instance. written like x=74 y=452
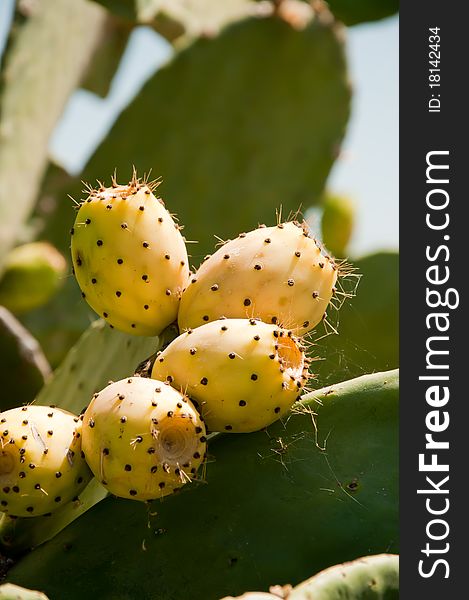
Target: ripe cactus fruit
x=142 y=438
x=243 y=374
x=41 y=463
x=278 y=274
x=129 y=257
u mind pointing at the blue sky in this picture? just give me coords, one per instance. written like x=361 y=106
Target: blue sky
x=367 y=170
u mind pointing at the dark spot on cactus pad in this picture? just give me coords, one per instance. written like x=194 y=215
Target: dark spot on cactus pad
x=167 y=256
x=193 y=351
x=25 y=422
x=124 y=225
x=226 y=256
x=321 y=265
x=306 y=324
x=280 y=225
x=6 y=490
x=204 y=381
x=224 y=328
x=267 y=240
x=256 y=338
x=128 y=467
x=87 y=221
x=105 y=315
x=91 y=423
x=99 y=243
x=291 y=282
x=154 y=469
x=118 y=293
x=203 y=439
x=151 y=450
x=169 y=379
x=72 y=231
x=133 y=492
x=315 y=294
x=179 y=404
x=274 y=320
x=139 y=439
x=214 y=287
x=297 y=254
x=142 y=208
x=50 y=432
x=78 y=260
x=22 y=474
x=123 y=419
x=196 y=455
x=232 y=355
x=16 y=489
x=32 y=466
x=198 y=429
x=80 y=480
x=119 y=261
x=277 y=410
x=170 y=413
x=228 y=427
x=242 y=403
x=133 y=325
x=247 y=302
x=257 y=267
x=24 y=437
x=58 y=499
x=83 y=295
x=58 y=474
x=93 y=281
x=353 y=485
x=205 y=318
x=168 y=292
x=162 y=484
x=146 y=307
x=30 y=509
x=160 y=219
x=145 y=277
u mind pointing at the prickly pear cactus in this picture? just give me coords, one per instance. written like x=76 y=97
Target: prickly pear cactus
x=370 y=577
x=8 y=591
x=41 y=463
x=278 y=274
x=33 y=274
x=324 y=485
x=143 y=439
x=129 y=257
x=338 y=219
x=204 y=147
x=244 y=374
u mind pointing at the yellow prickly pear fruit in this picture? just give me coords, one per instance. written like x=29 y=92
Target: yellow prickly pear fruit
x=242 y=373
x=143 y=439
x=129 y=257
x=41 y=462
x=278 y=274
